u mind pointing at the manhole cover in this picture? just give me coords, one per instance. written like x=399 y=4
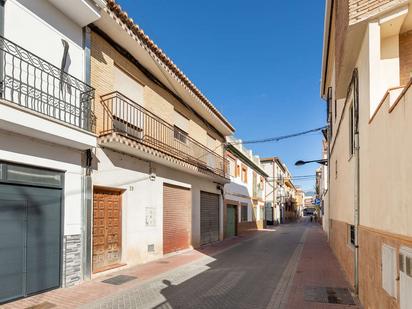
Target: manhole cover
x=329 y=295
x=118 y=280
x=45 y=305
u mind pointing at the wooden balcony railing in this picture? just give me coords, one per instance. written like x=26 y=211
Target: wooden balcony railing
x=37 y=85
x=126 y=117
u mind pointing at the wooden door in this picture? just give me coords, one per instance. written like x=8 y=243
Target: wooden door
x=107 y=229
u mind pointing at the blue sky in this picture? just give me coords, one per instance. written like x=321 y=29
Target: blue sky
x=258 y=61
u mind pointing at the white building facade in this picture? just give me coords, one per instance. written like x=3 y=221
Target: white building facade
x=158 y=168
x=46 y=137
x=245 y=194
x=279 y=188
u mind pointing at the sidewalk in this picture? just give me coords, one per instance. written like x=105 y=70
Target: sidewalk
x=318 y=274
x=95 y=289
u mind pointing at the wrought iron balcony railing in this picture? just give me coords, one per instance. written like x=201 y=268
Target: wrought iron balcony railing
x=126 y=117
x=35 y=84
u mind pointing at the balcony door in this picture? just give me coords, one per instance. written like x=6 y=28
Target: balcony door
x=128 y=117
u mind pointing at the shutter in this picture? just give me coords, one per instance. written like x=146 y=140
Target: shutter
x=181 y=122
x=176 y=218
x=389 y=269
x=128 y=86
x=209 y=217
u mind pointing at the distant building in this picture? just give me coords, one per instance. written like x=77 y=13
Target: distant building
x=280 y=192
x=244 y=196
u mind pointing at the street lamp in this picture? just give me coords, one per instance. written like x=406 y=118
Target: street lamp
x=322 y=161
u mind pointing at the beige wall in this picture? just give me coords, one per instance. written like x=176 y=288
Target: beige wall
x=156 y=99
x=385 y=123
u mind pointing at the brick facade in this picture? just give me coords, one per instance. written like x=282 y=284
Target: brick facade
x=104 y=58
x=405 y=57
x=371 y=293
x=362 y=9
x=341 y=247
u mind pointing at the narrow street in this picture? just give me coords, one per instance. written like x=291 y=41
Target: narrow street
x=271 y=268
x=243 y=276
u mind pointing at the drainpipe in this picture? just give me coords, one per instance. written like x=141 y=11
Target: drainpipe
x=274 y=195
x=2 y=15
x=330 y=99
x=87 y=215
x=357 y=176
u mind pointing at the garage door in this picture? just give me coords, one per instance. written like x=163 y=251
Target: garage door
x=209 y=217
x=30 y=240
x=107 y=229
x=176 y=218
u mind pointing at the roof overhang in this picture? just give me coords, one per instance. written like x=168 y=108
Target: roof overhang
x=83 y=12
x=325 y=50
x=122 y=34
x=237 y=153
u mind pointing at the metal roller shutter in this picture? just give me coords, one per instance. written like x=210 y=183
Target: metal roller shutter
x=209 y=217
x=176 y=218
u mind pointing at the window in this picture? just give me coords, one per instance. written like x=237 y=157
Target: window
x=237 y=170
x=329 y=108
x=243 y=213
x=389 y=271
x=180 y=135
x=255 y=185
x=352 y=235
x=32 y=175
x=351 y=132
x=232 y=167
x=336 y=169
x=244 y=173
x=336 y=109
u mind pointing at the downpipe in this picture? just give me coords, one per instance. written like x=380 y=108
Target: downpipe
x=357 y=177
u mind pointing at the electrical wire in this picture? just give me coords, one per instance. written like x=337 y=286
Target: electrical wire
x=278 y=138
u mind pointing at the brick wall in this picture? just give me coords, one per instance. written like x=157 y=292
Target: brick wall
x=371 y=293
x=405 y=57
x=339 y=242
x=341 y=20
x=159 y=101
x=362 y=9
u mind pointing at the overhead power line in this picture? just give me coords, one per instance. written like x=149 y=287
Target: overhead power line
x=278 y=138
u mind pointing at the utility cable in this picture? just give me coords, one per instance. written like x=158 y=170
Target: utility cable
x=278 y=138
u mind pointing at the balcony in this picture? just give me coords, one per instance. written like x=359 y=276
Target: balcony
x=126 y=118
x=37 y=86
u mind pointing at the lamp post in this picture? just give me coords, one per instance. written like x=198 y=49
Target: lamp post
x=321 y=161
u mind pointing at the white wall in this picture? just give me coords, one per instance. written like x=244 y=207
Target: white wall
x=117 y=170
x=24 y=150
x=39 y=27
